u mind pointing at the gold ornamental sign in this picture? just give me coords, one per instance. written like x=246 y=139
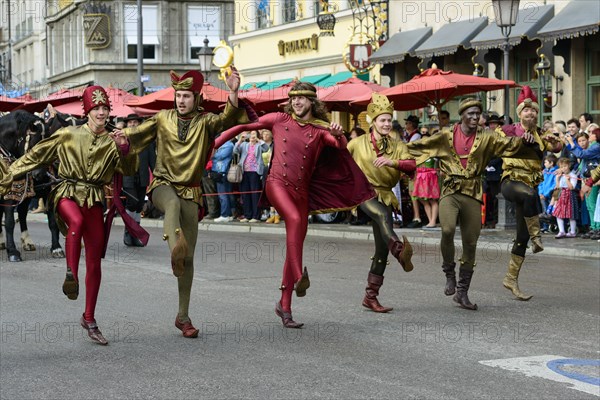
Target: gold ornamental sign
x=298 y=45
x=97 y=31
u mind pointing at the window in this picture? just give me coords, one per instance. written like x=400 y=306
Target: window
x=289 y=11
x=263 y=19
x=592 y=79
x=150 y=45
x=203 y=22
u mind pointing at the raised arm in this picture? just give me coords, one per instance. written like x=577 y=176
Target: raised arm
x=43 y=153
x=264 y=122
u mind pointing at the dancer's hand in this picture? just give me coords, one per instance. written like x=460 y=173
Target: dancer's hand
x=232 y=80
x=528 y=137
x=383 y=162
x=336 y=129
x=119 y=138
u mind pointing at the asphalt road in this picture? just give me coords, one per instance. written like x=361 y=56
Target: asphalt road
x=426 y=348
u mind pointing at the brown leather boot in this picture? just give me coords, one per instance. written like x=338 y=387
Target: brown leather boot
x=449 y=270
x=178 y=254
x=189 y=331
x=511 y=279
x=533 y=227
x=374 y=282
x=402 y=251
x=464 y=282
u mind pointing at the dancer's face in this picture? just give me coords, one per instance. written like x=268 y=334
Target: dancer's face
x=97 y=117
x=470 y=117
x=302 y=107
x=529 y=117
x=383 y=124
x=184 y=101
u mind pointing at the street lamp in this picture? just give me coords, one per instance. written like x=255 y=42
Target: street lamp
x=506 y=12
x=205 y=56
x=545 y=77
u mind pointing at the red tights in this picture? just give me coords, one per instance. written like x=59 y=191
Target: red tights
x=92 y=232
x=293 y=207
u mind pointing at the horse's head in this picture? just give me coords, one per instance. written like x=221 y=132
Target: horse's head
x=60 y=120
x=30 y=130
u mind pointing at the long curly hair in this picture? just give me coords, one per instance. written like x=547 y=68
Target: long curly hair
x=318 y=109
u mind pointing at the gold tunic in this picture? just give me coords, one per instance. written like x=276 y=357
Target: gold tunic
x=382 y=179
x=486 y=146
x=523 y=170
x=180 y=163
x=5 y=178
x=87 y=162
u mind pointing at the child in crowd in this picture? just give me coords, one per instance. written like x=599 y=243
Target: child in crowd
x=546 y=188
x=567 y=205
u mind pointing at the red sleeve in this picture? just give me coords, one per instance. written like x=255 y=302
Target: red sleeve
x=265 y=122
x=339 y=142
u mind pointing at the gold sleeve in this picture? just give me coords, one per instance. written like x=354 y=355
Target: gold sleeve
x=43 y=153
x=5 y=178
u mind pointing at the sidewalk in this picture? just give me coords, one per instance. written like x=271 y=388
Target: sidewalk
x=490 y=242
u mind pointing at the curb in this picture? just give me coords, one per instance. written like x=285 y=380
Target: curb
x=491 y=242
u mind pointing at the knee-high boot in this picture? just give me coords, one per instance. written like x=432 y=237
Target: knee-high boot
x=450 y=271
x=464 y=282
x=511 y=280
x=374 y=282
x=533 y=227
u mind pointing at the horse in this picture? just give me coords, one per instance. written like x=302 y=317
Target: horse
x=19 y=132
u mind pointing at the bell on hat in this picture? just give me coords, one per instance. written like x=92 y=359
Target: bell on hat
x=94 y=96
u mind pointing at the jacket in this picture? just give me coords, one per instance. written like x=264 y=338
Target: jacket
x=261 y=147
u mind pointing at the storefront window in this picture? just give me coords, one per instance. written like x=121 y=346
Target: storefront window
x=203 y=22
x=592 y=78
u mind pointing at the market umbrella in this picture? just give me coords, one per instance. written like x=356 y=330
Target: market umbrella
x=267 y=100
x=63 y=96
x=117 y=98
x=164 y=99
x=9 y=104
x=435 y=87
x=340 y=96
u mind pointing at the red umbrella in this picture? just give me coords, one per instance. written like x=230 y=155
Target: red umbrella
x=339 y=96
x=9 y=104
x=267 y=100
x=164 y=99
x=436 y=87
x=63 y=96
x=117 y=98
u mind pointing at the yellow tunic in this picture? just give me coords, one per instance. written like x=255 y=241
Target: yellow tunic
x=5 y=178
x=528 y=171
x=87 y=162
x=486 y=146
x=382 y=179
x=180 y=163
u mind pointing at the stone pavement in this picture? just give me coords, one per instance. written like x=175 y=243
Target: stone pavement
x=491 y=240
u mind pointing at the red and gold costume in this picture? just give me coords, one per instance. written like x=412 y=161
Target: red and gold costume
x=87 y=162
x=311 y=171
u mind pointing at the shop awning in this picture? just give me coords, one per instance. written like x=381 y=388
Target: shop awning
x=339 y=77
x=251 y=85
x=447 y=39
x=275 y=84
x=400 y=44
x=315 y=79
x=578 y=18
x=529 y=21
